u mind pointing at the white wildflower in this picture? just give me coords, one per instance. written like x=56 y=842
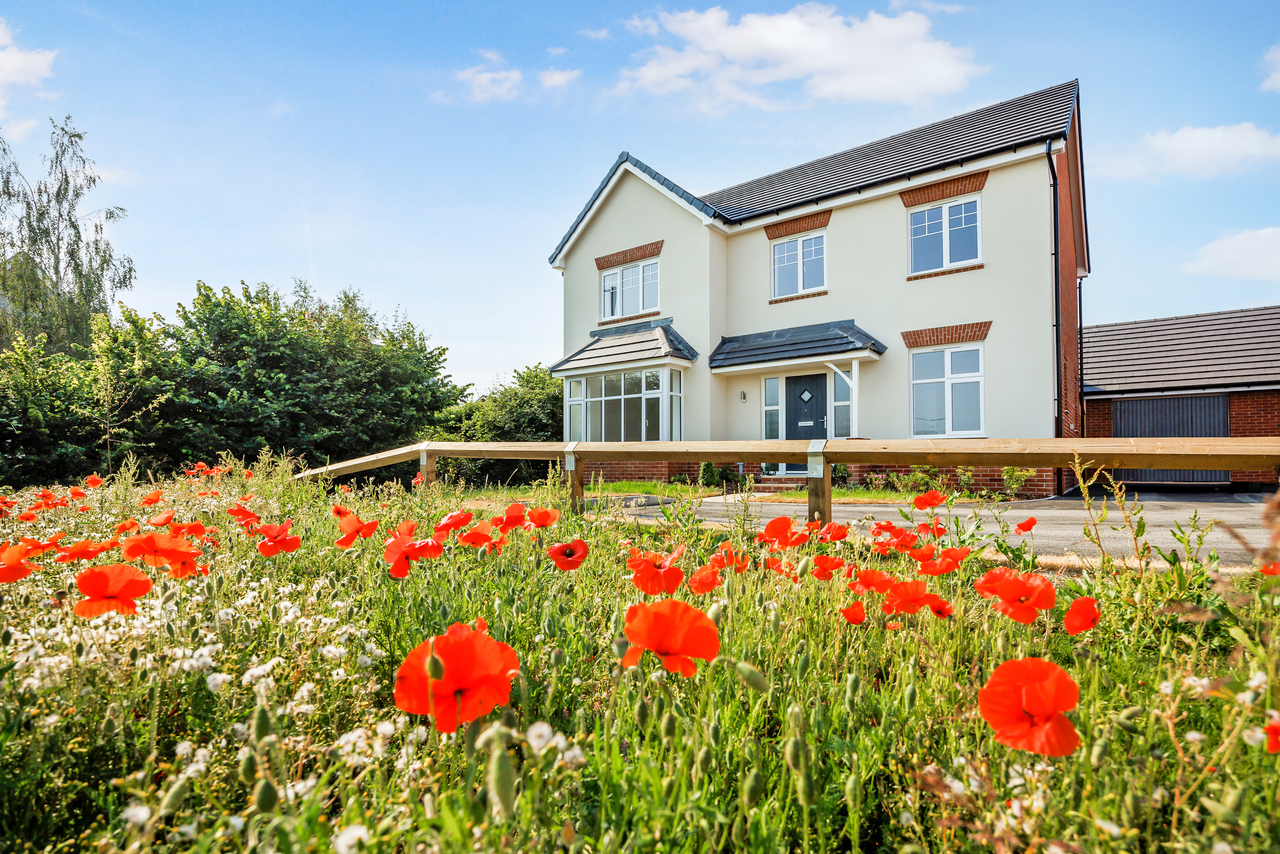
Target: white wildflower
x=1109 y=827
x=136 y=814
x=1253 y=736
x=906 y=819
x=350 y=836
x=236 y=822
x=573 y=757
x=216 y=681
x=1194 y=737
x=1198 y=684
x=363 y=661
x=1166 y=688
x=1221 y=848
x=183 y=750
x=257 y=674
x=1257 y=682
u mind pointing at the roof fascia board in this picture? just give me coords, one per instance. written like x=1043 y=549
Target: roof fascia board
x=1200 y=391
x=664 y=361
x=866 y=355
x=856 y=196
x=621 y=167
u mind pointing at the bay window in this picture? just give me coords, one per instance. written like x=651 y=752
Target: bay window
x=947 y=391
x=945 y=235
x=626 y=406
x=629 y=290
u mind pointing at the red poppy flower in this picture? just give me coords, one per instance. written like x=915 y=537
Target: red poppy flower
x=110 y=588
x=163 y=519
x=568 y=556
x=276 y=539
x=1081 y=616
x=542 y=517
x=183 y=568
x=6 y=504
x=923 y=553
x=1272 y=568
x=856 y=614
x=833 y=532
x=401 y=548
x=941 y=566
x=455 y=521
x=153 y=497
x=340 y=510
x=418 y=479
x=127 y=525
x=780 y=534
x=825 y=566
x=727 y=558
x=1024 y=596
x=872 y=581
x=988 y=584
x=246 y=517
x=705 y=579
x=27 y=516
x=941 y=608
x=352 y=527
x=932 y=498
x=84 y=550
x=13 y=563
x=893 y=627
x=157 y=548
x=477 y=677
x=513 y=518
x=908 y=597
x=1023 y=527
x=1272 y=729
x=77 y=493
x=1024 y=701
x=786 y=570
x=957 y=554
x=656 y=573
x=188 y=529
x=676 y=631
x=39 y=547
x=934 y=530
x=84 y=508
x=93 y=481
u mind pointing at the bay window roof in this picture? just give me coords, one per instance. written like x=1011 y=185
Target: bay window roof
x=621 y=345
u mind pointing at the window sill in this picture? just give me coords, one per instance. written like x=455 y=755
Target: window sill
x=933 y=273
x=794 y=297
x=629 y=318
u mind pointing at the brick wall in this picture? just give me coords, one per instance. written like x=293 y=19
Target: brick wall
x=1097 y=419
x=1254 y=413
x=797 y=225
x=944 y=190
x=626 y=256
x=1069 y=333
x=939 y=336
x=1043 y=483
x=612 y=471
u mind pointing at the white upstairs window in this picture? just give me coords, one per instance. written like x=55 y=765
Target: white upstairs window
x=946 y=235
x=629 y=290
x=799 y=264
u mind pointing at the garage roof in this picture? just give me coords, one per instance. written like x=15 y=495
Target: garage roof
x=794 y=342
x=1197 y=351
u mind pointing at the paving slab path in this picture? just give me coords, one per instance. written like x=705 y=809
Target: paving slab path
x=1059 y=521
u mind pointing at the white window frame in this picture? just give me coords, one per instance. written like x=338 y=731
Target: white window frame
x=619 y=271
x=664 y=394
x=948 y=379
x=799 y=240
x=945 y=205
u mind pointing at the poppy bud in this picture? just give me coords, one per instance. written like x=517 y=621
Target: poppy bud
x=502 y=781
x=805 y=567
x=108 y=727
x=740 y=835
x=1106 y=680
x=549 y=626
x=802 y=665
x=716 y=734
x=752 y=678
x=1131 y=712
x=909 y=697
x=775 y=621
x=715 y=613
x=1128 y=726
x=620 y=646
x=806 y=791
x=170 y=630
x=261 y=724
x=668 y=787
x=794 y=753
x=508 y=718
x=248 y=767
x=752 y=788
x=6 y=637
x=133 y=655
x=151 y=695
x=435 y=667
x=669 y=725
x=208 y=588
x=852 y=683
x=659 y=705
x=760 y=599
x=1099 y=752
x=265 y=796
x=281 y=643
x=79 y=649
x=704 y=760
x=469 y=738
x=1002 y=645
x=852 y=789
x=195 y=635
x=642 y=713
x=174 y=797
x=795 y=717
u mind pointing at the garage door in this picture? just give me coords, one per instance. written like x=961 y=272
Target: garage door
x=1168 y=417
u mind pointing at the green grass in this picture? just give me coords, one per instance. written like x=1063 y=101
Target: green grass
x=844 y=495
x=107 y=720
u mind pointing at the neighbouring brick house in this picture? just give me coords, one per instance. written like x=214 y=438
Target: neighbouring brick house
x=1212 y=374
x=958 y=247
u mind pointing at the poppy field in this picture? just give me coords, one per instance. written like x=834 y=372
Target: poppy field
x=236 y=661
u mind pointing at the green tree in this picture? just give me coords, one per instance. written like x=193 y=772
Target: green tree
x=57 y=267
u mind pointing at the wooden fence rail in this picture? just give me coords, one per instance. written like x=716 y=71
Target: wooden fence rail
x=1261 y=454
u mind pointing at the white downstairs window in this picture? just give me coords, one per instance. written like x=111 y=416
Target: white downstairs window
x=629 y=290
x=948 y=392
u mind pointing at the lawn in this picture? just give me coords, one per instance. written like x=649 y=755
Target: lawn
x=444 y=686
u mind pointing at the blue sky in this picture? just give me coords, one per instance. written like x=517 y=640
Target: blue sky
x=431 y=155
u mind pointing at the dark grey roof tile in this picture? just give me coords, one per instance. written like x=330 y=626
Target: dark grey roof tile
x=796 y=342
x=633 y=342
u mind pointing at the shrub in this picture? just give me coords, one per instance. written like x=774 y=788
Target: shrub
x=707 y=475
x=1014 y=478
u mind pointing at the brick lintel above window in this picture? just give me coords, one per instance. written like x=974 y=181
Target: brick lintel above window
x=939 y=336
x=627 y=256
x=797 y=225
x=944 y=189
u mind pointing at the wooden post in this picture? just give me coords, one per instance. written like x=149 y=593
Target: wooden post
x=427 y=467
x=573 y=467
x=819 y=483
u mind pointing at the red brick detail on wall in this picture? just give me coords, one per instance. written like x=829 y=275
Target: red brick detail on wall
x=1039 y=485
x=797 y=225
x=940 y=335
x=626 y=256
x=612 y=471
x=1253 y=414
x=944 y=189
x=1071 y=424
x=950 y=272
x=1097 y=419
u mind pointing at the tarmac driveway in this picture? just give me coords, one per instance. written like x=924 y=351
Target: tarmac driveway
x=1060 y=521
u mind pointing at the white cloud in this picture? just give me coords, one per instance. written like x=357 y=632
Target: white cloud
x=554 y=78
x=1253 y=254
x=602 y=33
x=1196 y=152
x=643 y=26
x=1272 y=63
x=20 y=67
x=17 y=131
x=926 y=5
x=837 y=58
x=492 y=55
x=557 y=51
x=491 y=85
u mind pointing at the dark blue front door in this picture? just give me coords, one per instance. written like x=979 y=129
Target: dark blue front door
x=806 y=406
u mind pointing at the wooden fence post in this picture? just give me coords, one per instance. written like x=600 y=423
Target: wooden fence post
x=427 y=467
x=573 y=466
x=819 y=482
